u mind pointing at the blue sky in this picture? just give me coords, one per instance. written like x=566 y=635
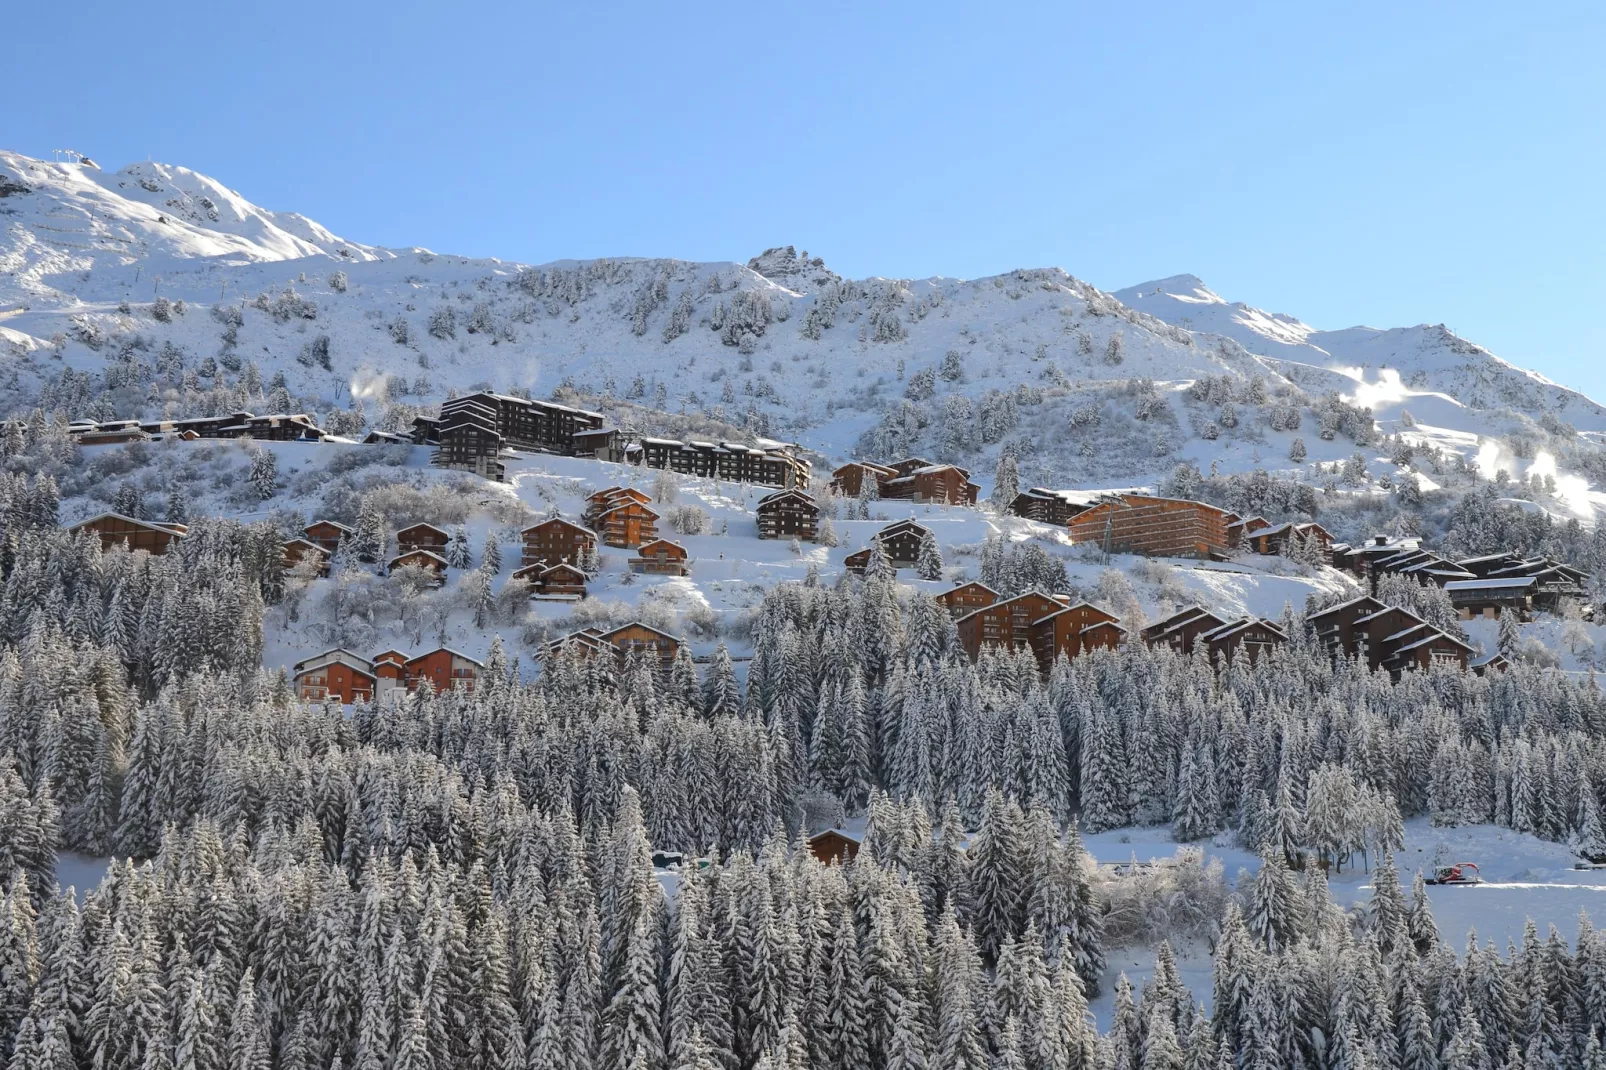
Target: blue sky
x=1359 y=165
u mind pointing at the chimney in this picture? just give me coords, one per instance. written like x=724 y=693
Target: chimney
x=1380 y=540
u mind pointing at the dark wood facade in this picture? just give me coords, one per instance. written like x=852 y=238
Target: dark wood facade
x=788 y=514
x=733 y=461
x=1181 y=631
x=1251 y=637
x=422 y=537
x=326 y=534
x=1047 y=506
x=1385 y=637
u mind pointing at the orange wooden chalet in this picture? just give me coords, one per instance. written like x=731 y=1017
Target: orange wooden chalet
x=444 y=668
x=337 y=674
x=422 y=537
x=661 y=557
x=326 y=534
x=967 y=598
x=918 y=481
x=424 y=559
x=148 y=535
x=1282 y=538
x=299 y=550
x=556 y=541
x=834 y=846
x=621 y=517
x=608 y=497
x=1162 y=527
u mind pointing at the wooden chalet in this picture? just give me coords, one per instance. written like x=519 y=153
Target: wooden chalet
x=661 y=557
x=1554 y=581
x=147 y=535
x=283 y=427
x=1385 y=637
x=299 y=550
x=1181 y=631
x=1253 y=636
x=337 y=674
x=1279 y=539
x=858 y=562
x=424 y=559
x=602 y=443
x=1074 y=630
x=326 y=534
x=835 y=846
x=423 y=537
x=901 y=540
x=1383 y=555
x=788 y=514
x=775 y=466
x=386 y=438
x=559 y=581
x=1154 y=526
x=1492 y=598
x=609 y=497
x=849 y=480
x=586 y=643
x=1006 y=624
x=113 y=436
x=557 y=541
x=1496 y=662
x=643 y=641
x=1239 y=531
x=1046 y=506
x=444 y=668
x=943 y=483
x=627 y=524
x=967 y=598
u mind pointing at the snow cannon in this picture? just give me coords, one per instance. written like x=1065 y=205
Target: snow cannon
x=1460 y=873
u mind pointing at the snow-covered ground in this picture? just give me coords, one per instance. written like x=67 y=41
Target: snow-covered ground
x=1524 y=878
x=780 y=341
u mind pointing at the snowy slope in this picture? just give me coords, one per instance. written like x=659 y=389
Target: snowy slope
x=780 y=344
x=1425 y=367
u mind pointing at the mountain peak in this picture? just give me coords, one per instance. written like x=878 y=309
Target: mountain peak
x=1189 y=288
x=784 y=265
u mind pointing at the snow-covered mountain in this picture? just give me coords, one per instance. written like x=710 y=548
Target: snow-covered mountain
x=184 y=284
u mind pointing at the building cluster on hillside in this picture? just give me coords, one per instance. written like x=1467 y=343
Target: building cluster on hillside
x=635 y=639
x=472 y=430
x=913 y=479
x=347 y=677
x=281 y=427
x=1054 y=626
x=1486 y=585
x=1157 y=526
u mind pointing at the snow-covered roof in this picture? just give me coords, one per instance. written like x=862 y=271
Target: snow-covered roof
x=1435 y=637
x=335 y=656
x=1498 y=584
x=1344 y=605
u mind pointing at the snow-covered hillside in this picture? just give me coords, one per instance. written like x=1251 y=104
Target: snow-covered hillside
x=162 y=272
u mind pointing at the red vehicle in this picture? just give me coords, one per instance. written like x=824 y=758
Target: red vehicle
x=1460 y=873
